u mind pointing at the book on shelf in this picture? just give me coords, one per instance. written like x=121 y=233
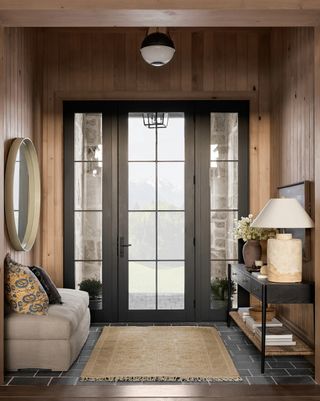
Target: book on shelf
x=253 y=324
x=283 y=343
x=244 y=312
x=276 y=333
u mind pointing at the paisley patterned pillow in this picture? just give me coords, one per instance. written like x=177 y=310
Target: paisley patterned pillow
x=23 y=290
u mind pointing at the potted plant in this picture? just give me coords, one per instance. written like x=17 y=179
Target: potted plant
x=94 y=288
x=219 y=292
x=252 y=236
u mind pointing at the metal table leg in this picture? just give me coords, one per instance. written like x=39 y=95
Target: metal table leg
x=229 y=295
x=263 y=326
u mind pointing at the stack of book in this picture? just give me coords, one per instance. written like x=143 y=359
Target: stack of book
x=253 y=324
x=277 y=336
x=244 y=312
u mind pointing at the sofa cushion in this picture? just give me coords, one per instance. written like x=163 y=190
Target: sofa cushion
x=60 y=322
x=47 y=284
x=23 y=290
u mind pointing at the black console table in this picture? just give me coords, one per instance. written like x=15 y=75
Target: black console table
x=273 y=293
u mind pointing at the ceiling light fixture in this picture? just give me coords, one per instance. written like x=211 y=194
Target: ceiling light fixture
x=155 y=120
x=157 y=49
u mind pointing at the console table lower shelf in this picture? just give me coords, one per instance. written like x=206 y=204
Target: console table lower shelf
x=301 y=348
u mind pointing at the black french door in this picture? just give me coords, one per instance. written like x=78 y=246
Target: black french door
x=150 y=194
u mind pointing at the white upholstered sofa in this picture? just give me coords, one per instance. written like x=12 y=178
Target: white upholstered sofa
x=48 y=342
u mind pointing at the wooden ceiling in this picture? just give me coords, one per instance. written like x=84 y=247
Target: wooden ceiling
x=184 y=13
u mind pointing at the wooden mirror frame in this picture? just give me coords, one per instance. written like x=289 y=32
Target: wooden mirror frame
x=34 y=196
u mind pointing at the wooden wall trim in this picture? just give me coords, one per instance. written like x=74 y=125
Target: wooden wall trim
x=151 y=95
x=51 y=5
x=159 y=13
x=317 y=198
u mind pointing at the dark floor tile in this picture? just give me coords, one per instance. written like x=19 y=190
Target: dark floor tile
x=89 y=345
x=301 y=372
x=234 y=347
x=260 y=380
x=269 y=372
x=244 y=380
x=85 y=352
x=22 y=372
x=257 y=358
x=302 y=364
x=64 y=381
x=280 y=364
x=7 y=379
x=242 y=350
x=72 y=373
x=223 y=324
x=79 y=365
x=253 y=366
x=242 y=358
x=83 y=358
x=244 y=372
x=47 y=373
x=119 y=324
x=92 y=338
x=290 y=358
x=227 y=330
x=30 y=381
x=294 y=379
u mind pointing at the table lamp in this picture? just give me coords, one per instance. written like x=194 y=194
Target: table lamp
x=284 y=253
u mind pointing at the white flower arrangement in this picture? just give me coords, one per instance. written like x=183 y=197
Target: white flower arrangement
x=243 y=230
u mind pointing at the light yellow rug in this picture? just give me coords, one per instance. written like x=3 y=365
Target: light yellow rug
x=160 y=353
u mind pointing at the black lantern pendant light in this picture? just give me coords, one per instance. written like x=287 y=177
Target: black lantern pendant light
x=157 y=49
x=155 y=120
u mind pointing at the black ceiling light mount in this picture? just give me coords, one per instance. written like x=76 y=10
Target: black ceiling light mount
x=157 y=49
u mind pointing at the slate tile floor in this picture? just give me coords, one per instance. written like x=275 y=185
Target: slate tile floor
x=279 y=370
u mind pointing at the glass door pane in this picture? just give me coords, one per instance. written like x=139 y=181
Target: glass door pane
x=224 y=171
x=88 y=178
x=156 y=212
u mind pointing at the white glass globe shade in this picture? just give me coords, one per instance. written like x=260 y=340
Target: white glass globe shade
x=157 y=55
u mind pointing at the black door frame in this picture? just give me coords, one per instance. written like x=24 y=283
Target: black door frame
x=200 y=308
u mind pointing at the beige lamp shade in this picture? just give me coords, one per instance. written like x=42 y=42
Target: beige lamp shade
x=283 y=213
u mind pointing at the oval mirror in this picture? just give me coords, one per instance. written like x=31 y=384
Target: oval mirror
x=22 y=194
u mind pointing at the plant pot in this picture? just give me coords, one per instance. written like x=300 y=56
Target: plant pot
x=251 y=252
x=95 y=304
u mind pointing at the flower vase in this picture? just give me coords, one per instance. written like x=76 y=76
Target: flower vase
x=251 y=252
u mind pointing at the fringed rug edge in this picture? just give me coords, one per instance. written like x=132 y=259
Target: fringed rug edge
x=115 y=379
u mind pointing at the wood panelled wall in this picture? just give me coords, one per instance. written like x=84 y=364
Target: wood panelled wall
x=106 y=64
x=17 y=119
x=292 y=128
x=18 y=102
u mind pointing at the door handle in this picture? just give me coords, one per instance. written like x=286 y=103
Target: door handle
x=122 y=245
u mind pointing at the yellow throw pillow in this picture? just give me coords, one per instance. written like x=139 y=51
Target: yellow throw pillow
x=23 y=290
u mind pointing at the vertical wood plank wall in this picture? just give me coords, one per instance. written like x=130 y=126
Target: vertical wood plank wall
x=17 y=99
x=106 y=64
x=317 y=196
x=292 y=129
x=274 y=69
x=18 y=102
